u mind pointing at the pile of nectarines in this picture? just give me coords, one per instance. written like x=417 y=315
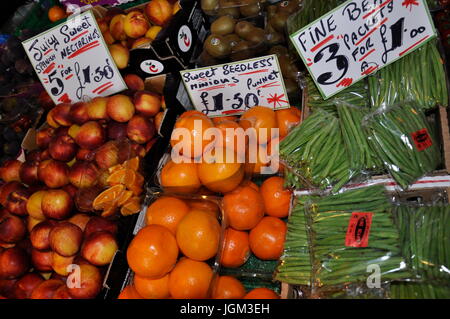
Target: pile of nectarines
x=124 y=31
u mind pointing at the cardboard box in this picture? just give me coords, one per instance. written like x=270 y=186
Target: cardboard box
x=176 y=45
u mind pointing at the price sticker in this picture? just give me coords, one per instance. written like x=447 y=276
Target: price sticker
x=233 y=88
x=360 y=37
x=73 y=62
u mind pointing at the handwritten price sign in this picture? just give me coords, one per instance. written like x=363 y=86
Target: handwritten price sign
x=73 y=61
x=360 y=37
x=233 y=88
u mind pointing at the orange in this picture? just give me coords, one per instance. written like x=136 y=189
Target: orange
x=123 y=176
x=124 y=197
x=221 y=171
x=277 y=199
x=287 y=119
x=132 y=163
x=198 y=235
x=109 y=210
x=56 y=13
x=235 y=248
x=129 y=292
x=190 y=279
x=153 y=252
x=166 y=211
x=131 y=206
x=188 y=137
x=267 y=238
x=108 y=197
x=243 y=208
x=152 y=288
x=264 y=120
x=232 y=136
x=180 y=177
x=262 y=293
x=217 y=120
x=227 y=287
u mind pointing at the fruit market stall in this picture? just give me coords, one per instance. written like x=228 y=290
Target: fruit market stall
x=208 y=149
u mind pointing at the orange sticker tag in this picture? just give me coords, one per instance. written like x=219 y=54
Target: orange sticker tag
x=422 y=139
x=358 y=230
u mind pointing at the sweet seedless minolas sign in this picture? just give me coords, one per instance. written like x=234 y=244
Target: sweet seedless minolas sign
x=233 y=88
x=73 y=62
x=360 y=37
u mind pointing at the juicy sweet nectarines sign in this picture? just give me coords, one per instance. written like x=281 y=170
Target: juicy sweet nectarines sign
x=73 y=62
x=360 y=37
x=233 y=88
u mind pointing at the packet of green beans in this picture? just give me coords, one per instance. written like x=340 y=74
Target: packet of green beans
x=314 y=154
x=351 y=238
x=425 y=240
x=404 y=141
x=419 y=76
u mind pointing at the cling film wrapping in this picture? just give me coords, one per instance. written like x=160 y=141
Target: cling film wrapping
x=425 y=241
x=419 y=76
x=336 y=259
x=404 y=141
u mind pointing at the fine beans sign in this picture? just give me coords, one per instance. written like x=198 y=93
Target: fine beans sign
x=360 y=37
x=73 y=62
x=233 y=88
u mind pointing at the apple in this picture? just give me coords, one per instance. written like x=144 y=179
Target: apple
x=17 y=202
x=46 y=289
x=34 y=205
x=25 y=285
x=61 y=114
x=90 y=136
x=12 y=228
x=120 y=55
x=29 y=172
x=85 y=155
x=57 y=204
x=116 y=130
x=80 y=220
x=83 y=174
x=100 y=224
x=10 y=171
x=62 y=293
x=42 y=260
x=107 y=155
x=96 y=108
x=7 y=189
x=40 y=234
x=7 y=288
x=109 y=39
x=135 y=24
x=116 y=27
x=50 y=118
x=99 y=248
x=31 y=222
x=120 y=108
x=61 y=263
x=140 y=129
x=79 y=113
x=63 y=148
x=86 y=196
x=65 y=239
x=147 y=103
x=90 y=283
x=44 y=136
x=159 y=12
x=71 y=190
x=134 y=82
x=14 y=262
x=53 y=173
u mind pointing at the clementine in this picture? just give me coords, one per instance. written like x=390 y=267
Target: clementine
x=219 y=119
x=190 y=279
x=243 y=208
x=267 y=238
x=205 y=205
x=152 y=288
x=167 y=211
x=188 y=137
x=232 y=136
x=180 y=177
x=220 y=172
x=287 y=119
x=129 y=292
x=153 y=252
x=264 y=120
x=227 y=287
x=277 y=199
x=261 y=293
x=235 y=248
x=198 y=235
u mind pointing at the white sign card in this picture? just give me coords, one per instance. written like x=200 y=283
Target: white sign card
x=360 y=37
x=233 y=88
x=73 y=61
